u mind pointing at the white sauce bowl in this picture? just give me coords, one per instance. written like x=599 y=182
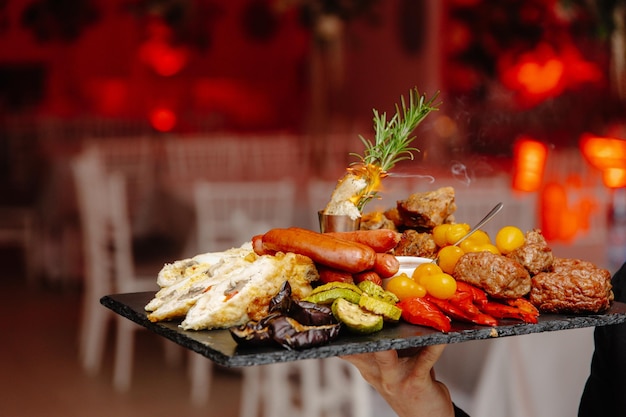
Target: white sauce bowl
x=407 y=266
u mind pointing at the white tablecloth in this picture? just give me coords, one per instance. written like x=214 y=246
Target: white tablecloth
x=522 y=376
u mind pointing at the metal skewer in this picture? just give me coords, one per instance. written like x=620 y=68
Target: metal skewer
x=480 y=224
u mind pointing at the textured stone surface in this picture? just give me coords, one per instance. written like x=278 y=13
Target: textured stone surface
x=218 y=345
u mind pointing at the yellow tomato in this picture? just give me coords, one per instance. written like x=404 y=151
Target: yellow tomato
x=468 y=245
x=404 y=287
x=479 y=236
x=488 y=247
x=448 y=257
x=441 y=286
x=439 y=234
x=456 y=232
x=424 y=270
x=509 y=238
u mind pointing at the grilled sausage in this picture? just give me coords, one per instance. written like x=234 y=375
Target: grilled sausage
x=386 y=265
x=381 y=240
x=321 y=248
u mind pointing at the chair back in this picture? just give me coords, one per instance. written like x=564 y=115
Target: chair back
x=136 y=158
x=92 y=198
x=231 y=213
x=210 y=158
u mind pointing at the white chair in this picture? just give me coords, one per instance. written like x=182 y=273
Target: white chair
x=109 y=263
x=273 y=157
x=229 y=214
x=126 y=279
x=136 y=158
x=309 y=388
x=213 y=158
x=92 y=204
x=110 y=267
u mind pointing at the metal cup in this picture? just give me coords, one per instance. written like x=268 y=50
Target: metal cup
x=337 y=223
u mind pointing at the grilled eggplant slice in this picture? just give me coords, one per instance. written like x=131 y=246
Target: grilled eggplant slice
x=254 y=333
x=291 y=334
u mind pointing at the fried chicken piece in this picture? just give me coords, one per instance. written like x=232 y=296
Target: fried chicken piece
x=376 y=220
x=414 y=243
x=394 y=216
x=574 y=286
x=427 y=210
x=499 y=276
x=535 y=254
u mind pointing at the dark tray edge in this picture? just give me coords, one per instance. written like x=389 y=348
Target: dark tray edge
x=356 y=344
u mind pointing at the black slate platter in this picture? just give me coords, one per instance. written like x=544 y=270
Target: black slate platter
x=219 y=346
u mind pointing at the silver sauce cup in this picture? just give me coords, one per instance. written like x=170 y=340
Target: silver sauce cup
x=337 y=223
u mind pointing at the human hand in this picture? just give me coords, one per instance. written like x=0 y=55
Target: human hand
x=407 y=383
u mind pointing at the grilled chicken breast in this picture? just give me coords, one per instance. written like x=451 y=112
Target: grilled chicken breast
x=219 y=290
x=245 y=293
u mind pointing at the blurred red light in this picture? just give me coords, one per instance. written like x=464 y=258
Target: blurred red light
x=538 y=78
x=163 y=119
x=614 y=177
x=529 y=161
x=608 y=155
x=603 y=152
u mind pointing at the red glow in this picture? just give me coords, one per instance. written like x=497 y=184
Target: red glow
x=553 y=204
x=603 y=152
x=157 y=51
x=538 y=79
x=163 y=119
x=608 y=155
x=164 y=59
x=544 y=72
x=561 y=220
x=614 y=177
x=114 y=94
x=535 y=75
x=529 y=161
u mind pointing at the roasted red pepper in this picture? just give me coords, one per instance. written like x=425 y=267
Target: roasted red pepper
x=464 y=301
x=524 y=305
x=479 y=297
x=503 y=311
x=459 y=312
x=424 y=313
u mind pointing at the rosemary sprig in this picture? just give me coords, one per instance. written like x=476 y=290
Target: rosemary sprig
x=392 y=138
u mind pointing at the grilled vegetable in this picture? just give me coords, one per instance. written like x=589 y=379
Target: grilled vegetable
x=254 y=333
x=331 y=285
x=329 y=296
x=377 y=291
x=291 y=334
x=355 y=318
x=374 y=305
x=424 y=313
x=311 y=314
x=294 y=324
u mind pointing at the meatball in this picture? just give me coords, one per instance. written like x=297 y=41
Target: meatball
x=535 y=255
x=574 y=286
x=413 y=243
x=499 y=276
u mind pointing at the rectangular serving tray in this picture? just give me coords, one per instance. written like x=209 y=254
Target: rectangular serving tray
x=219 y=346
